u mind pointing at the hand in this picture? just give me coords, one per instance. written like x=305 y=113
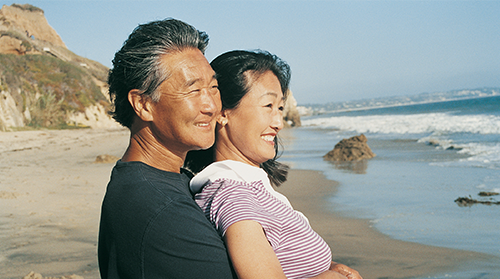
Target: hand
x=345 y=270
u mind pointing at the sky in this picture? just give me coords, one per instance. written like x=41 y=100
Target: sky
x=337 y=50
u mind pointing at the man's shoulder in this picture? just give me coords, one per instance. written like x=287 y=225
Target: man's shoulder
x=136 y=180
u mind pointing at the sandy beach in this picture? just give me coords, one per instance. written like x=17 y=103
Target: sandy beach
x=51 y=191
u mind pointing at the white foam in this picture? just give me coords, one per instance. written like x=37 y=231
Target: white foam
x=440 y=123
x=436 y=128
x=482 y=155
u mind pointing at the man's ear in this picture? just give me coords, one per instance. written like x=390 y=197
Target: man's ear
x=141 y=105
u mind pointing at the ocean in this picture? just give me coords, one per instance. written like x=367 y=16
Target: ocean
x=431 y=149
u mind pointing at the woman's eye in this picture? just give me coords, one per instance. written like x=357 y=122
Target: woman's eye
x=269 y=106
x=281 y=108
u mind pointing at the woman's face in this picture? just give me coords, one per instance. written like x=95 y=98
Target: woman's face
x=252 y=127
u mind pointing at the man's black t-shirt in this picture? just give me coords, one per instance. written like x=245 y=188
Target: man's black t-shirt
x=152 y=228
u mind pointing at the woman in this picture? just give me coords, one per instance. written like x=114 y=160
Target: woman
x=264 y=236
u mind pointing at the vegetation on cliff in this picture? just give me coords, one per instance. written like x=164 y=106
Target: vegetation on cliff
x=47 y=88
x=27 y=7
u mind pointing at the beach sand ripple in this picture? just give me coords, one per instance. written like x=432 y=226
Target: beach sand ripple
x=51 y=191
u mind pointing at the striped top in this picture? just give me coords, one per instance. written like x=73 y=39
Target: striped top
x=225 y=201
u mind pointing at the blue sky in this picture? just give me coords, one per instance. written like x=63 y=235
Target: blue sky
x=338 y=50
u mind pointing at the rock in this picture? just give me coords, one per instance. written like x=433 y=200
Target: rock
x=433 y=142
x=10 y=116
x=94 y=116
x=34 y=275
x=487 y=194
x=469 y=201
x=105 y=159
x=352 y=149
x=291 y=114
x=12 y=45
x=29 y=21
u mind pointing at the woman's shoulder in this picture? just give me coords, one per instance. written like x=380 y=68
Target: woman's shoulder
x=230 y=187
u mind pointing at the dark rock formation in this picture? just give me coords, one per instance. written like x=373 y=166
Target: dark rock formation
x=487 y=194
x=352 y=149
x=469 y=201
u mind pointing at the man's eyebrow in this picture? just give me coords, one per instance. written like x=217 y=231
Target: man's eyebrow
x=193 y=81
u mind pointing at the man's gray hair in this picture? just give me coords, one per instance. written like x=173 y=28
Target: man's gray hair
x=137 y=65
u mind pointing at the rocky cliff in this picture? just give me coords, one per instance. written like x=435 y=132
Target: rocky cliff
x=42 y=83
x=29 y=20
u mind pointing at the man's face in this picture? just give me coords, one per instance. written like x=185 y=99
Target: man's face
x=184 y=119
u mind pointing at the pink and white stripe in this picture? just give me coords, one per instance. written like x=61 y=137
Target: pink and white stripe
x=301 y=251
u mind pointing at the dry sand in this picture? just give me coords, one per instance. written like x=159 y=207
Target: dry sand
x=50 y=196
x=51 y=191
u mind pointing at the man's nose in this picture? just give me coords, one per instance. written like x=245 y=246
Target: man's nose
x=210 y=102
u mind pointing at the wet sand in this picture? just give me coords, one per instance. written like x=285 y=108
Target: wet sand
x=355 y=243
x=51 y=191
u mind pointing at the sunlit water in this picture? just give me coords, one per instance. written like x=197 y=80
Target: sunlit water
x=428 y=155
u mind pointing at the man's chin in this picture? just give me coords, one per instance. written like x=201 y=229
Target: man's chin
x=204 y=146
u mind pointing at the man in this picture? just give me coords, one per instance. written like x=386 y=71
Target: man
x=164 y=90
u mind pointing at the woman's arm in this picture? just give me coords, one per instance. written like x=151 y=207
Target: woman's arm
x=345 y=270
x=253 y=257
x=250 y=252
x=339 y=271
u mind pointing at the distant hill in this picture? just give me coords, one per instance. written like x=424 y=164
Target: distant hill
x=396 y=101
x=42 y=83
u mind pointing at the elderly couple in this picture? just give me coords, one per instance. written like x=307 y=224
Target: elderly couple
x=157 y=220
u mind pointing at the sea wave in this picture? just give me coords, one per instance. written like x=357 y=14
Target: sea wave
x=481 y=155
x=435 y=123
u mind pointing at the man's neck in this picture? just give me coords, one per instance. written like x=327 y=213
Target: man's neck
x=144 y=147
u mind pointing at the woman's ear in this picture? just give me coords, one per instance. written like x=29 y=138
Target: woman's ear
x=222 y=120
x=141 y=105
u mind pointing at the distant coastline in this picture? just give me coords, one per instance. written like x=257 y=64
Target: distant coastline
x=399 y=101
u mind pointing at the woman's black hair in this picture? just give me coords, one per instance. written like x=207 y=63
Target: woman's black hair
x=230 y=69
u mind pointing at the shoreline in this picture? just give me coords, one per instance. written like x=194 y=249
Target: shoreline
x=52 y=189
x=355 y=243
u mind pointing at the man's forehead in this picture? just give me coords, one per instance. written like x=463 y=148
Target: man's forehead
x=192 y=74
x=187 y=67
x=184 y=58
